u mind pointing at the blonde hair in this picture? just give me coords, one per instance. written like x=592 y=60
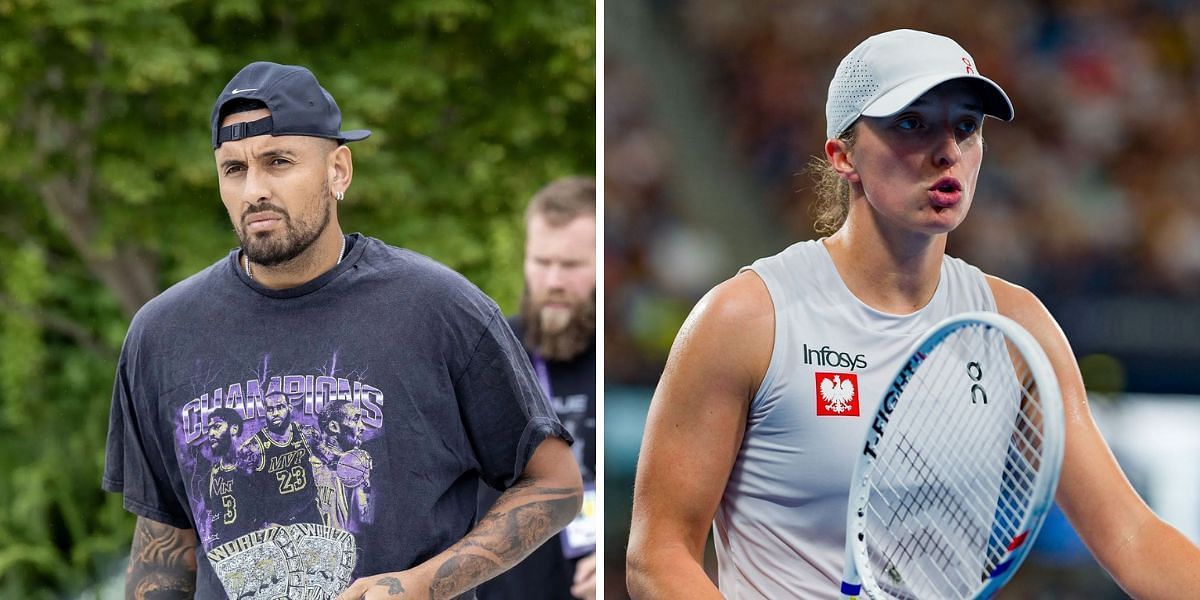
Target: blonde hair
x=832 y=192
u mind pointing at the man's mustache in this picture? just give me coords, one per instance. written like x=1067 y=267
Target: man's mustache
x=554 y=296
x=264 y=207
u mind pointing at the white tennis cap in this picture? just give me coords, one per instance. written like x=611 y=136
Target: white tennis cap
x=888 y=71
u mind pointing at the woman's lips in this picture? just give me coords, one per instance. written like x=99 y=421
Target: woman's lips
x=945 y=192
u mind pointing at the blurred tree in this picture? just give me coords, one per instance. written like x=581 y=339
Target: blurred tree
x=110 y=193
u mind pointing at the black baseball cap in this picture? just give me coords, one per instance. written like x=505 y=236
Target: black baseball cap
x=298 y=105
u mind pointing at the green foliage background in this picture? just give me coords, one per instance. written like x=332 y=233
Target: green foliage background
x=109 y=193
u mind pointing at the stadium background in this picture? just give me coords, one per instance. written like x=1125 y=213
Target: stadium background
x=109 y=196
x=1090 y=198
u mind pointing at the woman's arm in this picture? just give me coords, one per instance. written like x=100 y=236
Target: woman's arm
x=693 y=432
x=1147 y=557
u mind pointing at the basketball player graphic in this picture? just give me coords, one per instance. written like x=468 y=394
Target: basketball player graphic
x=228 y=475
x=280 y=457
x=342 y=469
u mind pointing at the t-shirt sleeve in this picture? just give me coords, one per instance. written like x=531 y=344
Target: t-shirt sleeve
x=134 y=465
x=504 y=409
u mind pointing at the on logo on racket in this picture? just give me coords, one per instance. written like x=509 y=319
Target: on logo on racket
x=975 y=372
x=837 y=395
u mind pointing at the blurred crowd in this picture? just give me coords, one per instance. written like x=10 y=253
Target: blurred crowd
x=1094 y=189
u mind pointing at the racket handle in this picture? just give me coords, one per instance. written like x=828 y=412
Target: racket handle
x=851 y=591
x=851 y=580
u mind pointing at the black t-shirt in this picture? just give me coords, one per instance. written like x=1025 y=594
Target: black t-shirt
x=404 y=388
x=548 y=572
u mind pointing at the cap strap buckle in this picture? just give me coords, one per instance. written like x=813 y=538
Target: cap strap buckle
x=238 y=131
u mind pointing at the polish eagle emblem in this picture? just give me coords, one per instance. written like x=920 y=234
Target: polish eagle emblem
x=837 y=394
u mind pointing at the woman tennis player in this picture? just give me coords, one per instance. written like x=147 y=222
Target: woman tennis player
x=765 y=399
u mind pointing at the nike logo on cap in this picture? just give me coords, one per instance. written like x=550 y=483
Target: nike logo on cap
x=237 y=91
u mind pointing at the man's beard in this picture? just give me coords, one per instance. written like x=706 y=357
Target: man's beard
x=271 y=250
x=549 y=337
x=348 y=442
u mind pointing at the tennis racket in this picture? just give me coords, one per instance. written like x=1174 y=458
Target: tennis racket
x=959 y=465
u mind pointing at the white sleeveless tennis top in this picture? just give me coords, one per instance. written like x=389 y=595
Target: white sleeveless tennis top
x=781 y=524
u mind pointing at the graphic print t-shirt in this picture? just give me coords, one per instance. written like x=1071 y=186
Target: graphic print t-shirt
x=385 y=388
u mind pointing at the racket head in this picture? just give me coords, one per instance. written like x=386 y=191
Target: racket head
x=920 y=523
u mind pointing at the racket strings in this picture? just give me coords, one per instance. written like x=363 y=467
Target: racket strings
x=935 y=429
x=935 y=525
x=924 y=538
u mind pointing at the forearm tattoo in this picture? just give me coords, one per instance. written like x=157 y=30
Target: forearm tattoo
x=162 y=563
x=522 y=519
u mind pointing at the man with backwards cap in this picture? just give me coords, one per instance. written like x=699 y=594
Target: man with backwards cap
x=441 y=391
x=737 y=436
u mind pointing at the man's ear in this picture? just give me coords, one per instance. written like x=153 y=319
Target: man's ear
x=341 y=169
x=838 y=152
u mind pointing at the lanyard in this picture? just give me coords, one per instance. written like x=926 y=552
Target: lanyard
x=543 y=374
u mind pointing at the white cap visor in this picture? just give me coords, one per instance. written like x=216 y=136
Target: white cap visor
x=995 y=102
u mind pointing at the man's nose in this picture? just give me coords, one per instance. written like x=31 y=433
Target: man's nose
x=256 y=188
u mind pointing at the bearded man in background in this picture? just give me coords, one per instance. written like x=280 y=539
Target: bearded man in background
x=557 y=325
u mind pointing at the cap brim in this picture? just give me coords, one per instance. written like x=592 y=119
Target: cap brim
x=995 y=101
x=354 y=135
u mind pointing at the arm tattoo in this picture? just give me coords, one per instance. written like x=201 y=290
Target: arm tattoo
x=523 y=518
x=162 y=563
x=461 y=568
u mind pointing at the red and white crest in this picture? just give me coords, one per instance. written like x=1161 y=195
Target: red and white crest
x=837 y=395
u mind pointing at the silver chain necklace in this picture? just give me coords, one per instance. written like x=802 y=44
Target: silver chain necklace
x=341 y=255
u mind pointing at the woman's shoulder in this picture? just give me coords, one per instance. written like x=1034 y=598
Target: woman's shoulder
x=1020 y=304
x=725 y=343
x=739 y=299
x=1009 y=294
